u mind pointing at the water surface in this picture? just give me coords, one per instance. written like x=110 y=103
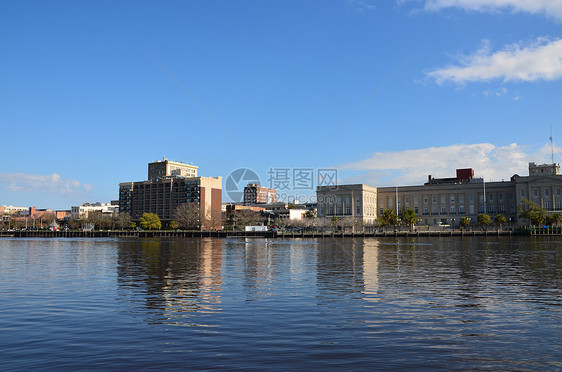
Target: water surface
x=252 y=304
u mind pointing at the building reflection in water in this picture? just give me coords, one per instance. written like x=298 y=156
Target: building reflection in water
x=189 y=281
x=339 y=268
x=272 y=268
x=371 y=269
x=171 y=279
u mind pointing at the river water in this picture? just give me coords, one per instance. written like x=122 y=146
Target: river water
x=254 y=304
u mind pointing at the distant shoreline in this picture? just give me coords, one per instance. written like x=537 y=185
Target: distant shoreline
x=264 y=234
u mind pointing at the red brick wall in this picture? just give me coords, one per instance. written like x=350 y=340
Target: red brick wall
x=216 y=208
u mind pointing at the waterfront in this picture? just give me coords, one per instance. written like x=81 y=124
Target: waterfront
x=256 y=303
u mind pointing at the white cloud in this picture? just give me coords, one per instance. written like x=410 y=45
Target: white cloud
x=552 y=8
x=539 y=60
x=51 y=184
x=411 y=167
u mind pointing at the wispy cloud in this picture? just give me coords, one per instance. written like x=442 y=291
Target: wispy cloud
x=361 y=5
x=551 y=8
x=496 y=92
x=538 y=60
x=51 y=184
x=411 y=167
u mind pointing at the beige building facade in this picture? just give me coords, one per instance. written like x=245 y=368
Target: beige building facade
x=167 y=168
x=83 y=210
x=444 y=201
x=358 y=202
x=447 y=203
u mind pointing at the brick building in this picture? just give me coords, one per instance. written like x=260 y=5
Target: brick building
x=256 y=194
x=162 y=193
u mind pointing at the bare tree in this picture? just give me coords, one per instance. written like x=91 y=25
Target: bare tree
x=122 y=220
x=247 y=217
x=214 y=220
x=187 y=216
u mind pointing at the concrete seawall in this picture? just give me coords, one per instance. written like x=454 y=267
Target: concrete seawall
x=249 y=234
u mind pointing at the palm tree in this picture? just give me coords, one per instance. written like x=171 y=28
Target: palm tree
x=464 y=222
x=500 y=220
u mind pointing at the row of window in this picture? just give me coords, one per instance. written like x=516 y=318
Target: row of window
x=546 y=192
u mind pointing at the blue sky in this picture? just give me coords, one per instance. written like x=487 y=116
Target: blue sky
x=399 y=89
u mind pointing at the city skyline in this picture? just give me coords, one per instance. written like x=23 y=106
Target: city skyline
x=386 y=93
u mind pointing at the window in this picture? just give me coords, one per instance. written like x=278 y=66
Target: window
x=434 y=199
x=339 y=209
x=452 y=209
x=461 y=209
x=339 y=199
x=558 y=205
x=500 y=197
x=522 y=193
x=452 y=199
x=416 y=210
x=547 y=204
x=358 y=210
x=501 y=208
x=470 y=198
x=443 y=210
x=491 y=208
x=415 y=201
x=535 y=192
x=442 y=199
x=481 y=209
x=491 y=197
x=425 y=200
x=347 y=210
x=434 y=210
x=425 y=211
x=358 y=200
x=347 y=200
x=558 y=192
x=481 y=198
x=471 y=209
x=546 y=192
x=331 y=209
x=461 y=199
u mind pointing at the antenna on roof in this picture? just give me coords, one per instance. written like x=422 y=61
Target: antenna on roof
x=551 y=145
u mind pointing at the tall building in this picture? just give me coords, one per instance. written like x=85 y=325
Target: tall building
x=165 y=168
x=162 y=193
x=256 y=194
x=444 y=201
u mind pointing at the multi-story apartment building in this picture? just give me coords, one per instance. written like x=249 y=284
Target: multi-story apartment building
x=256 y=194
x=444 y=201
x=165 y=168
x=162 y=194
x=350 y=201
